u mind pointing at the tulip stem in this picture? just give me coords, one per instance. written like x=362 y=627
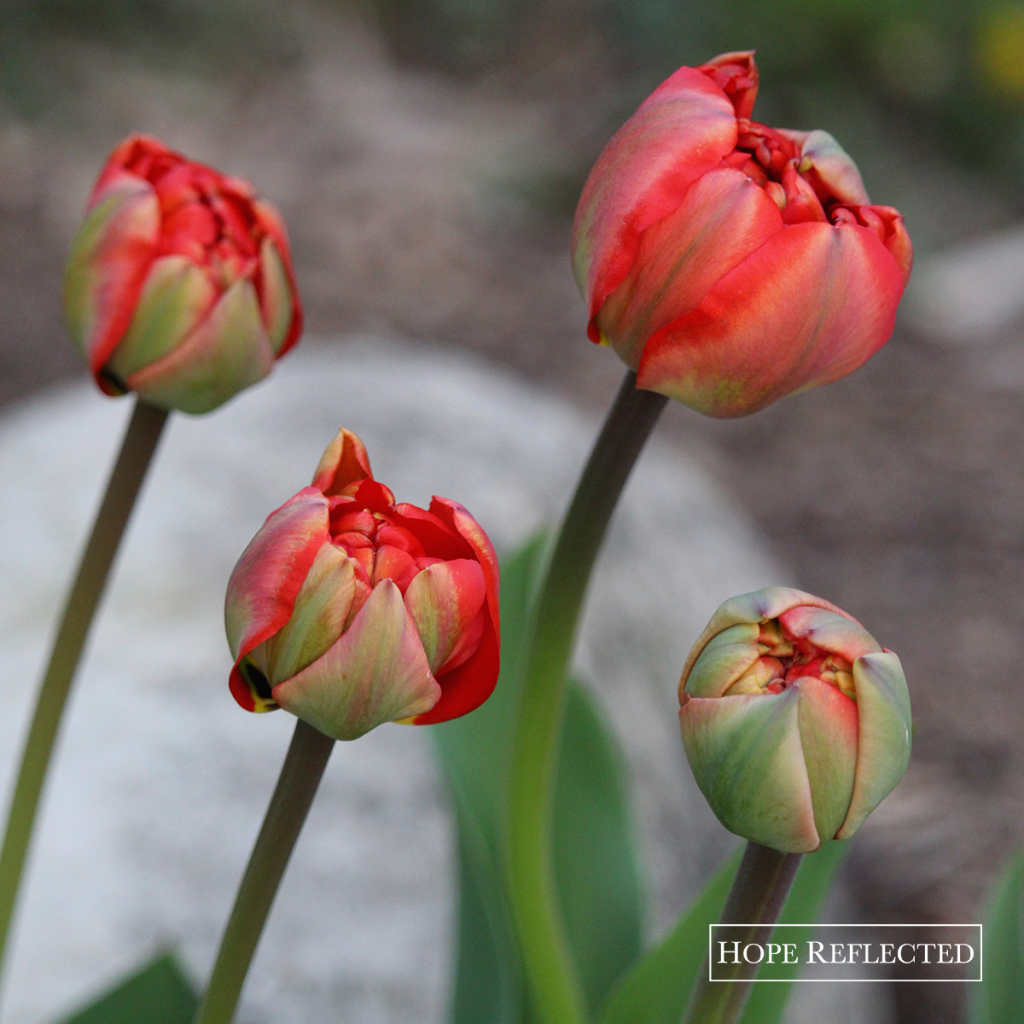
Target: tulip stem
x=297 y=784
x=548 y=961
x=137 y=450
x=756 y=899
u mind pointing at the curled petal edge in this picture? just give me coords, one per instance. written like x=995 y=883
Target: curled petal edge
x=756 y=606
x=883 y=738
x=264 y=584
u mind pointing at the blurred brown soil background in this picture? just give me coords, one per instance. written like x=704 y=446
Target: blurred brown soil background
x=430 y=196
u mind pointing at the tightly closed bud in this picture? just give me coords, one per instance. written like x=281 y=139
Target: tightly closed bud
x=179 y=285
x=729 y=263
x=350 y=611
x=795 y=722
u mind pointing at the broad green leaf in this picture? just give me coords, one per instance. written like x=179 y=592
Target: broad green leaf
x=657 y=988
x=488 y=986
x=158 y=994
x=595 y=855
x=999 y=998
x=473 y=752
x=806 y=900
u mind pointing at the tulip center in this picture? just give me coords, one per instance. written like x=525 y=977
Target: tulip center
x=206 y=217
x=383 y=544
x=379 y=548
x=784 y=659
x=775 y=162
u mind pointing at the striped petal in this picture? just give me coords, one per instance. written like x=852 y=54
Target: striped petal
x=460 y=522
x=722 y=219
x=683 y=129
x=836 y=172
x=883 y=745
x=107 y=267
x=176 y=297
x=276 y=296
x=226 y=353
x=808 y=307
x=343 y=463
x=318 y=616
x=747 y=758
x=468 y=686
x=828 y=735
x=269 y=221
x=444 y=601
x=375 y=672
x=265 y=582
x=757 y=606
x=725 y=658
x=830 y=631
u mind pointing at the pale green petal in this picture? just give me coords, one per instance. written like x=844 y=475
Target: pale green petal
x=108 y=261
x=747 y=758
x=375 y=672
x=828 y=733
x=757 y=606
x=883 y=747
x=175 y=298
x=226 y=353
x=726 y=657
x=318 y=616
x=835 y=167
x=278 y=303
x=443 y=601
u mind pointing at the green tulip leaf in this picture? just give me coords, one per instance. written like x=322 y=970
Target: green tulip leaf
x=657 y=989
x=159 y=993
x=1000 y=995
x=473 y=753
x=595 y=858
x=595 y=854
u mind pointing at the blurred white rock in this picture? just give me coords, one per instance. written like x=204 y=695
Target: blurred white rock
x=161 y=780
x=970 y=292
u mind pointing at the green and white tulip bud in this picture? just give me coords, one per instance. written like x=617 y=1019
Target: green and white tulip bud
x=795 y=721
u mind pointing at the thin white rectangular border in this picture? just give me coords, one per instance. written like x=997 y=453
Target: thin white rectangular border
x=847 y=981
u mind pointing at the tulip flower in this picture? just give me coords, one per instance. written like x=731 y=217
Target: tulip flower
x=179 y=285
x=349 y=610
x=795 y=722
x=729 y=263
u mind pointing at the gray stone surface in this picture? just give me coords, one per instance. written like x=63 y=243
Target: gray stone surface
x=161 y=779
x=971 y=292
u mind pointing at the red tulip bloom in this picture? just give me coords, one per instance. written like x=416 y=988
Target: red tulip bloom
x=349 y=610
x=179 y=285
x=729 y=263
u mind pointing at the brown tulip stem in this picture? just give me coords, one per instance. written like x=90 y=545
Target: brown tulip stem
x=137 y=450
x=297 y=784
x=758 y=893
x=551 y=974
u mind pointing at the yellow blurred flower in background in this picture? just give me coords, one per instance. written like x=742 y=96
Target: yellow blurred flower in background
x=1000 y=50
